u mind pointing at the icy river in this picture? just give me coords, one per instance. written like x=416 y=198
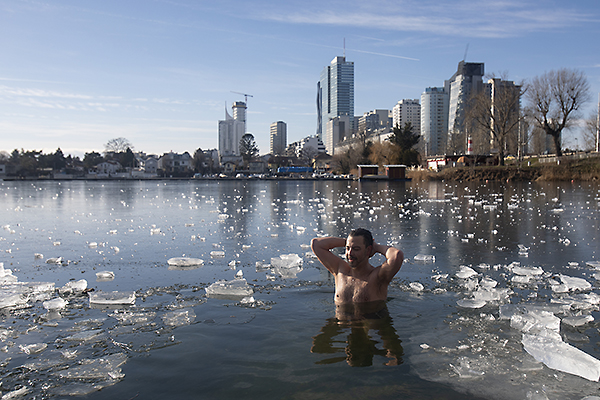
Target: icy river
x=208 y=289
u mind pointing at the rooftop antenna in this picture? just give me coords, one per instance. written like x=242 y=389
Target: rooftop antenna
x=466 y=51
x=246 y=95
x=344 y=48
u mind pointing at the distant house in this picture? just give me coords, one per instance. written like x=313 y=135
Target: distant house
x=229 y=167
x=176 y=164
x=108 y=168
x=322 y=162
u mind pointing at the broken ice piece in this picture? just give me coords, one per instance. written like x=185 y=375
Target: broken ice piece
x=465 y=272
x=427 y=258
x=573 y=283
x=416 y=286
x=179 y=317
x=85 y=336
x=101 y=368
x=73 y=287
x=527 y=271
x=54 y=260
x=217 y=253
x=235 y=287
x=579 y=320
x=55 y=304
x=105 y=276
x=593 y=264
x=185 y=262
x=561 y=356
x=112 y=298
x=33 y=348
x=471 y=303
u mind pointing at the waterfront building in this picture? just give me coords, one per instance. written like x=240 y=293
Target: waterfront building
x=434 y=120
x=335 y=98
x=337 y=130
x=466 y=81
x=506 y=109
x=231 y=130
x=278 y=136
x=407 y=111
x=374 y=122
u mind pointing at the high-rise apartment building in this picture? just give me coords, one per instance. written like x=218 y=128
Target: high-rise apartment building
x=231 y=130
x=434 y=120
x=278 y=135
x=467 y=81
x=335 y=98
x=407 y=110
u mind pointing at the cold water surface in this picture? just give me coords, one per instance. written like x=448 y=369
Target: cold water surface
x=445 y=337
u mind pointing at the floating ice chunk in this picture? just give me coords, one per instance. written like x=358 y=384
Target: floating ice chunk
x=465 y=272
x=561 y=356
x=16 y=394
x=93 y=245
x=508 y=310
x=239 y=274
x=488 y=283
x=527 y=271
x=248 y=300
x=235 y=287
x=101 y=368
x=185 y=262
x=38 y=256
x=33 y=348
x=74 y=287
x=54 y=260
x=287 y=265
x=217 y=253
x=86 y=336
x=593 y=264
x=55 y=304
x=179 y=317
x=105 y=276
x=491 y=294
x=132 y=318
x=471 y=303
x=416 y=287
x=427 y=258
x=535 y=322
x=573 y=283
x=6 y=275
x=579 y=320
x=112 y=298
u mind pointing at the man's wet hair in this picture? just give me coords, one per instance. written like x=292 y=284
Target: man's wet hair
x=366 y=235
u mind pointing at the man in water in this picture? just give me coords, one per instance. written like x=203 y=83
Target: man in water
x=356 y=280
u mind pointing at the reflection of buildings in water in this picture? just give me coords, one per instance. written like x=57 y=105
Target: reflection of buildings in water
x=359 y=322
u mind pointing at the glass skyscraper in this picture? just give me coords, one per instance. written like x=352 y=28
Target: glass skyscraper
x=335 y=94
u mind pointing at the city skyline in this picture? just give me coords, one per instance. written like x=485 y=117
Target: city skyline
x=160 y=74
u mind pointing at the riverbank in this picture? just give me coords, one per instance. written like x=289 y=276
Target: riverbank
x=571 y=170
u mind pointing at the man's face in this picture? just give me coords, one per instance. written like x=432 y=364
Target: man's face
x=356 y=251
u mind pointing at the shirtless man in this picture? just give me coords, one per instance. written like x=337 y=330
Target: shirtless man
x=356 y=280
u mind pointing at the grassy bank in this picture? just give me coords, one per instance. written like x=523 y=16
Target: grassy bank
x=579 y=170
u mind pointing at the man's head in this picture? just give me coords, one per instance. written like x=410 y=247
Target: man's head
x=359 y=247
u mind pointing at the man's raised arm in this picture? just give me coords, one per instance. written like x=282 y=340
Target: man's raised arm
x=393 y=261
x=322 y=248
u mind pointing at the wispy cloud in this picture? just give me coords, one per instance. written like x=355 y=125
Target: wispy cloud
x=487 y=19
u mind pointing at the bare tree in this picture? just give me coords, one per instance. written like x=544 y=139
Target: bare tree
x=555 y=99
x=590 y=132
x=497 y=114
x=117 y=145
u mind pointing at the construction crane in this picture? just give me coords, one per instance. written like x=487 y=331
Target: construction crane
x=245 y=96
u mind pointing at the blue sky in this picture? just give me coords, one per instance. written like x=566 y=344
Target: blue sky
x=77 y=73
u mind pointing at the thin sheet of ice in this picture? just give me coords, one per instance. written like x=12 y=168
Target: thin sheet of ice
x=287 y=265
x=185 y=262
x=112 y=298
x=179 y=317
x=100 y=368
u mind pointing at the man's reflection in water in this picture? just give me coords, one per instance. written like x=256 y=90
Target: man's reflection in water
x=360 y=347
